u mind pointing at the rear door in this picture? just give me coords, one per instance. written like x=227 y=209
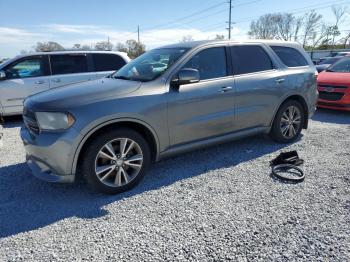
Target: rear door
x=259 y=85
x=24 y=77
x=69 y=68
x=106 y=64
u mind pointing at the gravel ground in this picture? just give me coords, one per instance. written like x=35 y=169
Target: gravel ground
x=216 y=204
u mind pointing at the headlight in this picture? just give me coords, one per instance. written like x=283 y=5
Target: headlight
x=54 y=120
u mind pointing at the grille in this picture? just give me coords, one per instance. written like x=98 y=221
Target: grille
x=30 y=121
x=333 y=86
x=330 y=96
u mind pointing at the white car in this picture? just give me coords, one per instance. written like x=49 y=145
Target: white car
x=26 y=75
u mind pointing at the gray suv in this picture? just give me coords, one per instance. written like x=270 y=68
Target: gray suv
x=169 y=100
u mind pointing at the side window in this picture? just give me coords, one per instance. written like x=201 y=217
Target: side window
x=68 y=64
x=211 y=63
x=30 y=67
x=290 y=56
x=249 y=59
x=107 y=62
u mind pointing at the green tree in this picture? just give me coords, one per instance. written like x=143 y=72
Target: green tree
x=134 y=48
x=104 y=46
x=48 y=46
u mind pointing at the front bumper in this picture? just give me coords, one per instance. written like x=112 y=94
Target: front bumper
x=338 y=99
x=50 y=155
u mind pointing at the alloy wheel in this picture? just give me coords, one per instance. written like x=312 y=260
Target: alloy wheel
x=118 y=162
x=290 y=122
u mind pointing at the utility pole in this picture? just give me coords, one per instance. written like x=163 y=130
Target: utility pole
x=138 y=34
x=229 y=20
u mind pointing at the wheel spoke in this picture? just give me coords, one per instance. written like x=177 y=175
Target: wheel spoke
x=110 y=149
x=104 y=155
x=125 y=175
x=129 y=148
x=291 y=112
x=285 y=130
x=290 y=129
x=118 y=178
x=123 y=143
x=107 y=174
x=101 y=169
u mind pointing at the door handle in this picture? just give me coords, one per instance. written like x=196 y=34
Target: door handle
x=40 y=82
x=225 y=89
x=57 y=80
x=280 y=80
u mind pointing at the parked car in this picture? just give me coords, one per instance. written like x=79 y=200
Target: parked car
x=326 y=62
x=345 y=53
x=334 y=86
x=33 y=73
x=209 y=92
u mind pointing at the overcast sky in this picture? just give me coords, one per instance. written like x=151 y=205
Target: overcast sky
x=23 y=23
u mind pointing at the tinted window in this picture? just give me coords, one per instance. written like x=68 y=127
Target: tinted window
x=342 y=66
x=68 y=64
x=250 y=59
x=290 y=56
x=330 y=61
x=211 y=63
x=107 y=62
x=30 y=67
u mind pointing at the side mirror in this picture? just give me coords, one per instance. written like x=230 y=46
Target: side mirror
x=2 y=75
x=186 y=76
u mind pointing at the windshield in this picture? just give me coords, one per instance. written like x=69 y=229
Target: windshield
x=150 y=65
x=343 y=66
x=330 y=61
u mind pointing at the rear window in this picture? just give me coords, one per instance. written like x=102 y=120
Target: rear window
x=68 y=64
x=250 y=59
x=107 y=62
x=290 y=56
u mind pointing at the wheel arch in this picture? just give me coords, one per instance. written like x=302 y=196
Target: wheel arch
x=302 y=101
x=143 y=128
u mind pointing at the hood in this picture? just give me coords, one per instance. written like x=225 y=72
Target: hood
x=334 y=78
x=81 y=93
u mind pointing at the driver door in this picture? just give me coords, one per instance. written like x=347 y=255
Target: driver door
x=24 y=77
x=207 y=108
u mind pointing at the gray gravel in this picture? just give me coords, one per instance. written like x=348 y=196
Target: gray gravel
x=216 y=204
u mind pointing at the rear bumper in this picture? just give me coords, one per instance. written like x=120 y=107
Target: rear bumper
x=50 y=155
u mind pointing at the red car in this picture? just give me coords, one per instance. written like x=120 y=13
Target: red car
x=334 y=86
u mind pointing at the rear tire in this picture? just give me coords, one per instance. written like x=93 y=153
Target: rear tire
x=288 y=122
x=116 y=161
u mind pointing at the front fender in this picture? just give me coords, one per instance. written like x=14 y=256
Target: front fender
x=88 y=131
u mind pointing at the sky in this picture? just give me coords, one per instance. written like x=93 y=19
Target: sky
x=23 y=23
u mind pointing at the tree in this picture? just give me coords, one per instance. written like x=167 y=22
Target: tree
x=219 y=37
x=338 y=12
x=318 y=37
x=263 y=28
x=85 y=48
x=134 y=48
x=104 y=46
x=76 y=47
x=311 y=23
x=48 y=46
x=121 y=47
x=186 y=38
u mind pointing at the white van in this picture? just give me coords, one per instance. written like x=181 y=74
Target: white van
x=33 y=73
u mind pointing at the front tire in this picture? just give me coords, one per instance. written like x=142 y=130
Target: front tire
x=288 y=122
x=116 y=161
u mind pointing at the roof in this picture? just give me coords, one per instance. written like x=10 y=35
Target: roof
x=72 y=52
x=194 y=44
